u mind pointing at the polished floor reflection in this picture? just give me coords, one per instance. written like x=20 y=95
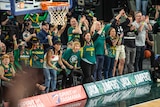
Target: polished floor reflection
x=123 y=98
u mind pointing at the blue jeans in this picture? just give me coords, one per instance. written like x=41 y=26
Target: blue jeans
x=108 y=67
x=50 y=79
x=139 y=58
x=99 y=67
x=144 y=4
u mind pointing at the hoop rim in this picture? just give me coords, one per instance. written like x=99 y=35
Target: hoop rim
x=45 y=5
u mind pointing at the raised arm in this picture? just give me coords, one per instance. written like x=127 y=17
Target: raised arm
x=15 y=42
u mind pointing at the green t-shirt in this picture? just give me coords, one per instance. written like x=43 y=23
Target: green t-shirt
x=111 y=49
x=24 y=58
x=7 y=71
x=71 y=57
x=99 y=43
x=37 y=58
x=17 y=65
x=88 y=53
x=106 y=28
x=72 y=36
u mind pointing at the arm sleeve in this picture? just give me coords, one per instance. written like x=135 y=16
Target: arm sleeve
x=108 y=40
x=113 y=24
x=95 y=36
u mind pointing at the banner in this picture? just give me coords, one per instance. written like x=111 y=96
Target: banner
x=56 y=98
x=110 y=99
x=118 y=83
x=81 y=103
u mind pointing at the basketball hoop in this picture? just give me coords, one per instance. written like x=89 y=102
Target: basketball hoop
x=57 y=11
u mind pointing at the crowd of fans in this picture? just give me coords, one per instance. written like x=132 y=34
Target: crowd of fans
x=95 y=51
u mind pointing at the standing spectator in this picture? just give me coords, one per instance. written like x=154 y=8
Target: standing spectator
x=56 y=32
x=9 y=23
x=141 y=5
x=84 y=28
x=2 y=48
x=71 y=58
x=36 y=54
x=21 y=54
x=2 y=36
x=142 y=24
x=149 y=45
x=130 y=47
x=10 y=70
x=51 y=58
x=99 y=44
x=7 y=73
x=88 y=61
x=10 y=26
x=28 y=33
x=120 y=49
x=155 y=2
x=111 y=41
x=43 y=35
x=157 y=18
x=74 y=31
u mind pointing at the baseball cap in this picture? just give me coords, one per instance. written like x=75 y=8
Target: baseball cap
x=44 y=23
x=57 y=42
x=34 y=40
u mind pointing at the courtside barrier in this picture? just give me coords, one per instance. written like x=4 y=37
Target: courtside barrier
x=112 y=88
x=118 y=83
x=56 y=98
x=123 y=95
x=81 y=103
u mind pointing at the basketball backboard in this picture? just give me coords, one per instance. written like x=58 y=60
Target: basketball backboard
x=22 y=7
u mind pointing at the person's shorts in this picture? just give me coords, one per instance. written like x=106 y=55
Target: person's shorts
x=120 y=52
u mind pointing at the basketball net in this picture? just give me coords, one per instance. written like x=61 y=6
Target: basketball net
x=57 y=14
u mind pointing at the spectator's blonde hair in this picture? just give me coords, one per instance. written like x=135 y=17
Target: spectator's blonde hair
x=5 y=56
x=76 y=43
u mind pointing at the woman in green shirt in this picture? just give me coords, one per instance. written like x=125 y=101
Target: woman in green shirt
x=88 y=58
x=111 y=41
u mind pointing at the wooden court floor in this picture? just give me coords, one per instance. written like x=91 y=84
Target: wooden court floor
x=152 y=103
